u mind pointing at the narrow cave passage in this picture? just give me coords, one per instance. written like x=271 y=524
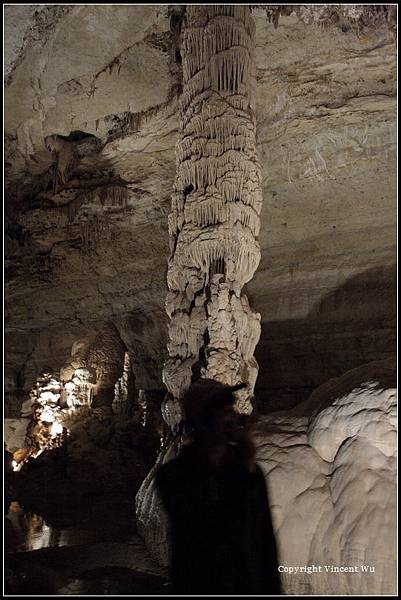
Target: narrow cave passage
x=87 y=441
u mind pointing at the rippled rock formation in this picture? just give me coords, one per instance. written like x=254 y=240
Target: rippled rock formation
x=215 y=216
x=330 y=470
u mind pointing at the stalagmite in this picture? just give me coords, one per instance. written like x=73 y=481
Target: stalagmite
x=121 y=404
x=215 y=211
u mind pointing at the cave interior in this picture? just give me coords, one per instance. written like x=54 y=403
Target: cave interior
x=198 y=192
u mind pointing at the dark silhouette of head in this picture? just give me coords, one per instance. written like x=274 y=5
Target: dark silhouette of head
x=210 y=414
x=204 y=400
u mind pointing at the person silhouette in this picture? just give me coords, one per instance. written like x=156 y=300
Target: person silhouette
x=214 y=493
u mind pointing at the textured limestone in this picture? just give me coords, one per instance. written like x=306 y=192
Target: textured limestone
x=325 y=286
x=214 y=221
x=330 y=467
x=322 y=274
x=123 y=389
x=45 y=429
x=15 y=433
x=106 y=357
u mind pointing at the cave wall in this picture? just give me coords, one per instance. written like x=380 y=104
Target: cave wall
x=326 y=283
x=326 y=117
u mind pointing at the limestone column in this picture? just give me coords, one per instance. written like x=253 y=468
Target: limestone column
x=215 y=217
x=106 y=357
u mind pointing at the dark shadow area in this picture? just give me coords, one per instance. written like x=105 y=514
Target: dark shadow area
x=216 y=501
x=117 y=580
x=58 y=506
x=353 y=325
x=58 y=526
x=64 y=571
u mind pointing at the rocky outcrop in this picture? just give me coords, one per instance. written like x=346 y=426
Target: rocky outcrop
x=330 y=467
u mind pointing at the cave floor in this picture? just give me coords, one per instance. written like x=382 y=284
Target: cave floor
x=101 y=569
x=67 y=539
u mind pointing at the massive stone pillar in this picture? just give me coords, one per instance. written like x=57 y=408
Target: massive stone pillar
x=214 y=222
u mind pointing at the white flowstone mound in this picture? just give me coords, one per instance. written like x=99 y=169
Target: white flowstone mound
x=357 y=411
x=330 y=470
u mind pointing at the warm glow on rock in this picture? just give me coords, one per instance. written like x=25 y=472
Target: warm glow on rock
x=56 y=429
x=47 y=416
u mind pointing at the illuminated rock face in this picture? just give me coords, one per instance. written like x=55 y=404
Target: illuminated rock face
x=214 y=221
x=41 y=423
x=96 y=365
x=106 y=357
x=330 y=470
x=93 y=382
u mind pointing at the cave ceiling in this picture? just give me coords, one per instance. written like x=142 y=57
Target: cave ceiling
x=91 y=245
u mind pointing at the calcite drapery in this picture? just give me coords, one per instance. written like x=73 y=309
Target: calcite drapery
x=214 y=221
x=63 y=151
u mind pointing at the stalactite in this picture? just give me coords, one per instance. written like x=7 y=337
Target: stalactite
x=113 y=196
x=71 y=208
x=121 y=403
x=215 y=213
x=93 y=229
x=64 y=152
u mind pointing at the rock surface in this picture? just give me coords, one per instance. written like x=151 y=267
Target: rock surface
x=96 y=251
x=15 y=432
x=331 y=470
x=330 y=467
